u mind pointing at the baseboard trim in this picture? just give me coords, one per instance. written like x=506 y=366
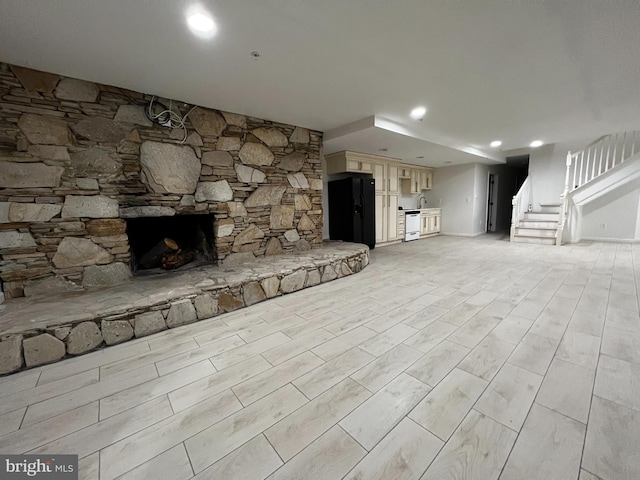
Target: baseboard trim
x=462 y=234
x=611 y=240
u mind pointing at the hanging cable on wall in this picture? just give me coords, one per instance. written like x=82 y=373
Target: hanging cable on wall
x=158 y=113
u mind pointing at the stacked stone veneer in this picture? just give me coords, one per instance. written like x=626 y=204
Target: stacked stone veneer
x=204 y=300
x=77 y=158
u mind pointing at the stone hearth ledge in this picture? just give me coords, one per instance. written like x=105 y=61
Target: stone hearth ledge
x=38 y=331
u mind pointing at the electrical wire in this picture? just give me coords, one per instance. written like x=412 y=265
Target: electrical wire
x=167 y=117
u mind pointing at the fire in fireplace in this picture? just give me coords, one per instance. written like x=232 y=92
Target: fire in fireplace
x=170 y=242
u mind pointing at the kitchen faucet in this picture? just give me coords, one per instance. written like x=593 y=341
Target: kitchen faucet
x=420 y=200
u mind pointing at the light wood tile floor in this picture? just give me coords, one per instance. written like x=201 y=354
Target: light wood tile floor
x=446 y=358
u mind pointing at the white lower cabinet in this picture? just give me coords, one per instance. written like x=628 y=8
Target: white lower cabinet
x=430 y=221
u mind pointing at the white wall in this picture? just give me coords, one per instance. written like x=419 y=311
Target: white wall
x=325 y=199
x=613 y=216
x=480 y=199
x=454 y=192
x=547 y=168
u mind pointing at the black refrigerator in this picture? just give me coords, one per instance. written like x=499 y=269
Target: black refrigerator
x=352 y=215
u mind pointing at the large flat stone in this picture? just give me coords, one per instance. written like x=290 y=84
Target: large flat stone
x=147 y=211
x=306 y=223
x=255 y=154
x=293 y=282
x=281 y=217
x=229 y=143
x=235 y=119
x=229 y=303
x=298 y=180
x=87 y=184
x=292 y=235
x=236 y=209
x=315 y=183
x=217 y=159
x=302 y=202
x=35 y=80
x=29 y=175
x=148 y=323
x=300 y=135
x=207 y=122
x=90 y=206
x=45 y=130
x=168 y=168
x=116 y=331
x=238 y=258
x=181 y=313
x=248 y=235
x=15 y=239
x=274 y=247
x=42 y=287
x=102 y=275
x=49 y=152
x=32 y=212
x=95 y=162
x=42 y=349
x=80 y=252
x=224 y=227
x=253 y=293
x=83 y=337
x=99 y=129
x=76 y=90
x=206 y=305
x=293 y=162
x=106 y=227
x=271 y=286
x=214 y=191
x=133 y=114
x=271 y=137
x=266 y=196
x=10 y=354
x=249 y=175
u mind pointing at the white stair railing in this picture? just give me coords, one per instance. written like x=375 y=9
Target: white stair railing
x=592 y=161
x=520 y=203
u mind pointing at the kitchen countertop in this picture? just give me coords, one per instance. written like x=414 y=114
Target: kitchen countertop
x=421 y=210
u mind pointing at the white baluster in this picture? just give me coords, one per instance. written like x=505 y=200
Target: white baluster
x=633 y=143
x=615 y=149
x=606 y=168
x=575 y=171
x=601 y=153
x=624 y=140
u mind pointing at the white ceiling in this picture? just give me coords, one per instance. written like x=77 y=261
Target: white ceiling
x=558 y=70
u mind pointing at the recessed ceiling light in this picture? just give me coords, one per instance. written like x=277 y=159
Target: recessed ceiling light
x=535 y=143
x=418 y=113
x=201 y=22
x=495 y=144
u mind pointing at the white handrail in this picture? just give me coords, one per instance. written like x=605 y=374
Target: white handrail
x=520 y=203
x=591 y=162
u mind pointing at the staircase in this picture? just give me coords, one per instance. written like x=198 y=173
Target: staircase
x=608 y=163
x=539 y=227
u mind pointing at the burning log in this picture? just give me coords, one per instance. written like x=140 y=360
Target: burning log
x=153 y=257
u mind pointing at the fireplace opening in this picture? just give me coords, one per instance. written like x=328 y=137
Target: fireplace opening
x=160 y=244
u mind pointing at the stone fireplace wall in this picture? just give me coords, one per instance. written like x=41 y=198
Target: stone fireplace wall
x=77 y=158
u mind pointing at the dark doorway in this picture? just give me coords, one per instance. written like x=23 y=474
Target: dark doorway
x=189 y=240
x=492 y=207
